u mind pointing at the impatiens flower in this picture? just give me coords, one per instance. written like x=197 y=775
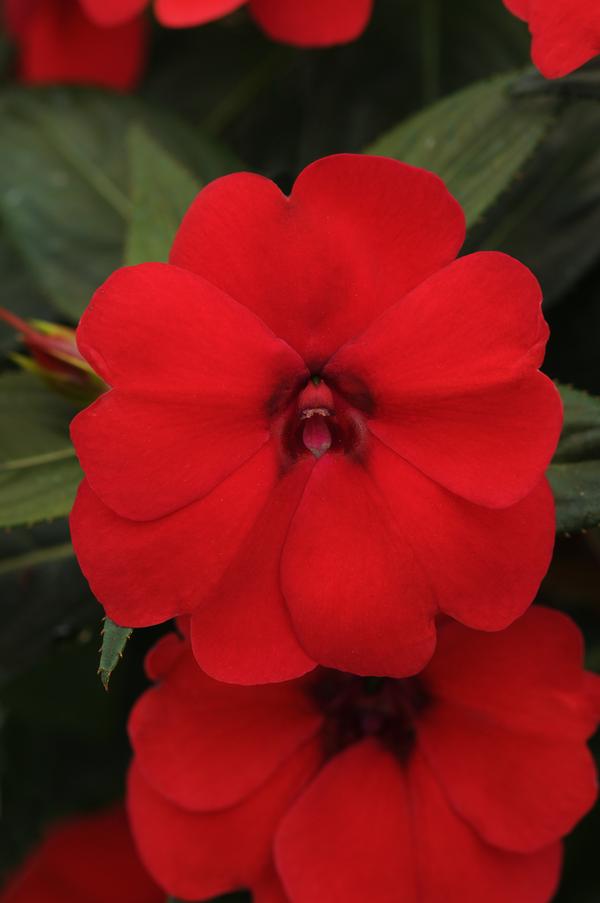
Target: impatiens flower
x=62 y=41
x=323 y=428
x=453 y=786
x=90 y=859
x=566 y=33
x=305 y=23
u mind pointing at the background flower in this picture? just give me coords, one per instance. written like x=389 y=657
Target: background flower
x=305 y=23
x=58 y=41
x=338 y=544
x=565 y=33
x=354 y=789
x=77 y=863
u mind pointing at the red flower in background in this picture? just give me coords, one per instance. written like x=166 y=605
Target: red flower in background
x=323 y=429
x=90 y=859
x=63 y=41
x=305 y=23
x=459 y=782
x=566 y=33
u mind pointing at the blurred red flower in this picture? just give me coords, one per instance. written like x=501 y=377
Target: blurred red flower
x=566 y=33
x=323 y=429
x=305 y=23
x=62 y=41
x=90 y=859
x=355 y=789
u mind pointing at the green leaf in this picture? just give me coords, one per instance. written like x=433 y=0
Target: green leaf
x=64 y=179
x=477 y=140
x=580 y=439
x=161 y=191
x=548 y=219
x=39 y=472
x=114 y=640
x=576 y=490
x=575 y=471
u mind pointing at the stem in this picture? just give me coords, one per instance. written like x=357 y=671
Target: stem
x=244 y=91
x=32 y=559
x=62 y=454
x=431 y=34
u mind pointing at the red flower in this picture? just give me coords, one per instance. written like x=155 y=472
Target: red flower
x=86 y=860
x=305 y=23
x=459 y=782
x=566 y=33
x=318 y=492
x=62 y=41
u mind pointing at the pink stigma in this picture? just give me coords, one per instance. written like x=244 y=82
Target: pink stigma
x=316 y=435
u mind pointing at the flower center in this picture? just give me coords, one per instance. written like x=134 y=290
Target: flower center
x=359 y=707
x=316 y=421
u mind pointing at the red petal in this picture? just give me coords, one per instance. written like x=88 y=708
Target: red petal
x=168 y=454
x=451 y=857
x=78 y=862
x=515 y=698
x=534 y=792
x=359 y=599
x=356 y=234
x=528 y=678
x=375 y=550
x=451 y=371
x=367 y=830
x=182 y=13
x=519 y=8
x=208 y=745
x=269 y=889
x=312 y=23
x=112 y=12
x=483 y=566
x=197 y=855
x=15 y=15
x=164 y=655
x=58 y=43
x=347 y=838
x=242 y=633
x=490 y=448
x=145 y=573
x=191 y=403
x=566 y=34
x=160 y=330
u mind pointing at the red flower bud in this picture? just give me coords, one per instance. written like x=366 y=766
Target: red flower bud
x=55 y=356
